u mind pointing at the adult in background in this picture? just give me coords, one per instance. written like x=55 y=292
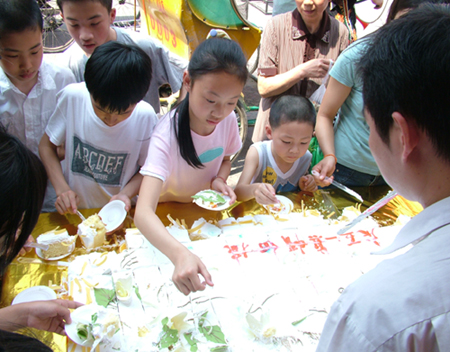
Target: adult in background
x=403 y=304
x=346 y=146
x=296 y=50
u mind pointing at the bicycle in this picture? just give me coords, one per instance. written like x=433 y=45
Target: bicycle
x=55 y=37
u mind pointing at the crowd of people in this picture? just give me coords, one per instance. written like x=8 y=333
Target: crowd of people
x=93 y=128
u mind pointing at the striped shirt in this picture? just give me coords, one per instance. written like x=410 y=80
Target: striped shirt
x=287 y=43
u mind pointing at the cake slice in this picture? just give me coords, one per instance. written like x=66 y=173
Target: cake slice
x=92 y=232
x=59 y=243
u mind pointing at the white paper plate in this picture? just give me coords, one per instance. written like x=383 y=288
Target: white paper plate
x=224 y=206
x=287 y=203
x=82 y=314
x=113 y=214
x=41 y=255
x=36 y=293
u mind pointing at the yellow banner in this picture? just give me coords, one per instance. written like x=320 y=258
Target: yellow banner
x=161 y=19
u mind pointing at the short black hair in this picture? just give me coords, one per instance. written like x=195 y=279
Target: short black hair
x=19 y=15
x=106 y=3
x=10 y=341
x=406 y=69
x=291 y=108
x=401 y=5
x=23 y=181
x=118 y=75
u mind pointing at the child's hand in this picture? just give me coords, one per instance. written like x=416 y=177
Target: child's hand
x=24 y=250
x=67 y=202
x=124 y=198
x=265 y=194
x=185 y=275
x=307 y=183
x=218 y=185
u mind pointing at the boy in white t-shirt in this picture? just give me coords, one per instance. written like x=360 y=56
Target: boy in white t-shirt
x=280 y=164
x=106 y=129
x=28 y=84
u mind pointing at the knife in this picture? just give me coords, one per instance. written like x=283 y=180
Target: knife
x=340 y=186
x=369 y=211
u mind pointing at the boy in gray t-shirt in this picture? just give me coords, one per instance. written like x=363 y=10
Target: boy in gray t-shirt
x=280 y=164
x=89 y=24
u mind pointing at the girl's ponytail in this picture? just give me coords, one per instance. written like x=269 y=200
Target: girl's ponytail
x=183 y=133
x=214 y=55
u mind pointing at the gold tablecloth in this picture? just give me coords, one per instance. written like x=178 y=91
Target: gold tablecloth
x=30 y=270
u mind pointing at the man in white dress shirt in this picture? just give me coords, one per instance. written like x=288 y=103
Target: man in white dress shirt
x=404 y=303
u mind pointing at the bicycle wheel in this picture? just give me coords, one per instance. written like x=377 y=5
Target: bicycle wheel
x=241 y=117
x=55 y=36
x=125 y=13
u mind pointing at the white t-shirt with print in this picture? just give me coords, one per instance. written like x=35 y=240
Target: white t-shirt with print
x=182 y=181
x=269 y=172
x=100 y=160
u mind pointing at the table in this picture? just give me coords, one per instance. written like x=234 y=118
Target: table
x=31 y=271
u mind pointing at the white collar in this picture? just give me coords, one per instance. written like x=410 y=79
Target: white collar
x=429 y=220
x=45 y=82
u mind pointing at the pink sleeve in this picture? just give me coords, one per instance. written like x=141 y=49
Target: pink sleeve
x=159 y=161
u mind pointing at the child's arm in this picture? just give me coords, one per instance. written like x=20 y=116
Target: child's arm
x=263 y=193
x=67 y=200
x=187 y=264
x=129 y=191
x=307 y=183
x=218 y=183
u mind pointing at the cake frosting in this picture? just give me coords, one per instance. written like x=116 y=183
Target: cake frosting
x=275 y=278
x=59 y=243
x=92 y=232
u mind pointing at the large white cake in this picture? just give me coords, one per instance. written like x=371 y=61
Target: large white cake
x=275 y=279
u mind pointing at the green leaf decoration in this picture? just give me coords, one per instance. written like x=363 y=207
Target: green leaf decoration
x=104 y=296
x=219 y=349
x=202 y=319
x=191 y=341
x=210 y=196
x=213 y=333
x=170 y=337
x=94 y=317
x=295 y=323
x=136 y=289
x=82 y=331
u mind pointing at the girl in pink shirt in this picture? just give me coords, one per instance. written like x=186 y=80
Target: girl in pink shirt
x=190 y=150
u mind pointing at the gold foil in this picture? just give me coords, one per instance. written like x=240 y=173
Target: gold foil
x=30 y=270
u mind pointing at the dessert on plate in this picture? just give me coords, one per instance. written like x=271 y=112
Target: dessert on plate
x=59 y=243
x=92 y=232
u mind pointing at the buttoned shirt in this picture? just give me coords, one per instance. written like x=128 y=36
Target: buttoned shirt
x=26 y=116
x=403 y=304
x=287 y=43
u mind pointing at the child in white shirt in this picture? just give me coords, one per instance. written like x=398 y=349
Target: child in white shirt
x=28 y=84
x=106 y=129
x=280 y=164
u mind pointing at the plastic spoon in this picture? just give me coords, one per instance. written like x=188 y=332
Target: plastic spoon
x=340 y=186
x=81 y=216
x=44 y=247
